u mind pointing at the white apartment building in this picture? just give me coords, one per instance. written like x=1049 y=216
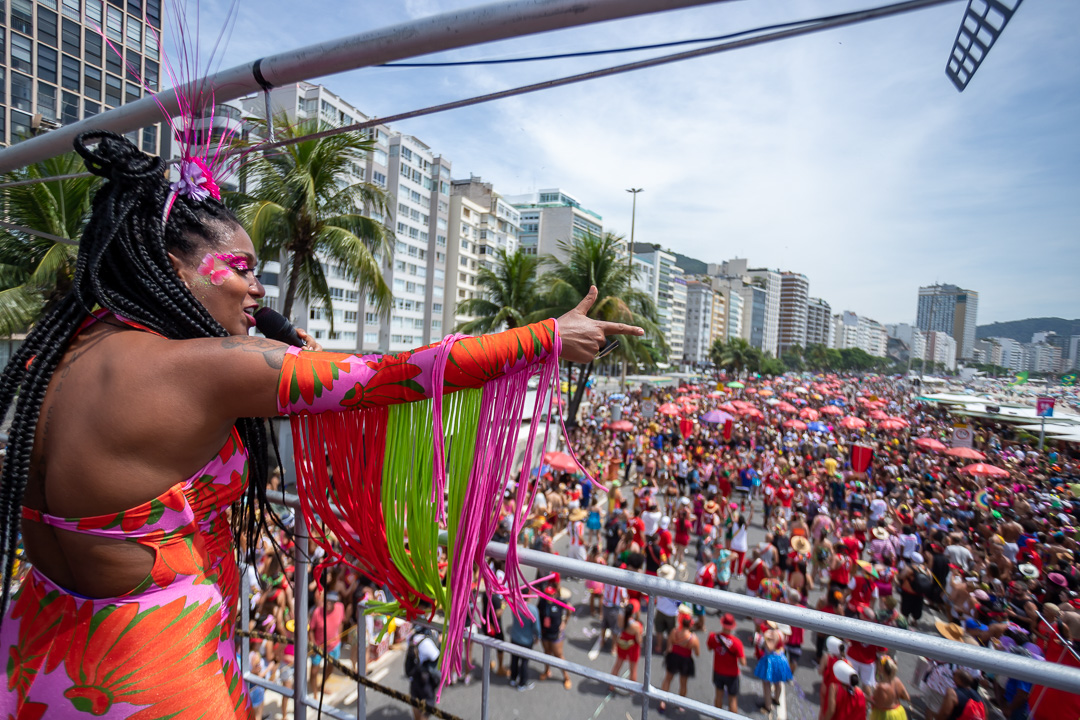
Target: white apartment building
x=659 y=277
x=818 y=323
x=1012 y=353
x=1072 y=358
x=463 y=258
x=911 y=336
x=699 y=321
x=719 y=319
x=729 y=292
x=950 y=309
x=1042 y=357
x=770 y=281
x=941 y=348
x=550 y=216
x=794 y=310
x=855 y=331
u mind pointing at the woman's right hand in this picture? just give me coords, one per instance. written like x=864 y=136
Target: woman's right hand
x=582 y=337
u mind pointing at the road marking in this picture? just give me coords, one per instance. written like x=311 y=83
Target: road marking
x=600 y=707
x=781 y=707
x=595 y=651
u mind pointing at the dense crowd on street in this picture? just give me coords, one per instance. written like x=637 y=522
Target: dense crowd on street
x=863 y=507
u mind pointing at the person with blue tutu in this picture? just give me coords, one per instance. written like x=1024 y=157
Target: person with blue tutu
x=772 y=666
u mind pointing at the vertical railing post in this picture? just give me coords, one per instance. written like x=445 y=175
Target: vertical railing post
x=245 y=621
x=486 y=690
x=300 y=612
x=646 y=675
x=361 y=662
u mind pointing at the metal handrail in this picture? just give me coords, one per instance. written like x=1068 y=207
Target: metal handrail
x=936 y=648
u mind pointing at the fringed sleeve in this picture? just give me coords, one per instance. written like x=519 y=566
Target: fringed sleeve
x=391 y=450
x=318 y=382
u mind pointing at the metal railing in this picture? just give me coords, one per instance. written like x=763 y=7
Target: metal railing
x=936 y=648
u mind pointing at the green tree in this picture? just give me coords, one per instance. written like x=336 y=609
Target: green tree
x=302 y=209
x=509 y=294
x=738 y=355
x=792 y=358
x=833 y=359
x=595 y=260
x=772 y=366
x=35 y=271
x=816 y=357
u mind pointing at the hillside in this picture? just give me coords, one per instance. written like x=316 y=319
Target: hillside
x=1022 y=330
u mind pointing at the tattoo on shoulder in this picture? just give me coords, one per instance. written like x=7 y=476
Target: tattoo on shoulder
x=272 y=351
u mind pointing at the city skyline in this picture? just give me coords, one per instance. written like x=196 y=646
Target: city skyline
x=846 y=156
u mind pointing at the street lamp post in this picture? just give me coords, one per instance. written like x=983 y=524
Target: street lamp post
x=630 y=261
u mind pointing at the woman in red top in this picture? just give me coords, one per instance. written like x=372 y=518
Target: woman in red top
x=683 y=645
x=628 y=644
x=682 y=534
x=846 y=698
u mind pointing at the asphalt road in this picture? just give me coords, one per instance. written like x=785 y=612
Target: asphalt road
x=591 y=700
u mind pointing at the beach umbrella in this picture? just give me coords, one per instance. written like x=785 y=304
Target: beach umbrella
x=789 y=395
x=927 y=443
x=621 y=426
x=852 y=423
x=754 y=414
x=741 y=404
x=831 y=410
x=715 y=394
x=689 y=407
x=765 y=392
x=984 y=470
x=560 y=461
x=838 y=402
x=795 y=424
x=891 y=425
x=786 y=407
x=668 y=409
x=616 y=396
x=801 y=390
x=965 y=453
x=716 y=417
x=878 y=415
x=809 y=414
x=900 y=420
x=735 y=384
x=818 y=427
x=772 y=402
x=728 y=407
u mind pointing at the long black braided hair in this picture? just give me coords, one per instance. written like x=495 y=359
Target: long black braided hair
x=123 y=266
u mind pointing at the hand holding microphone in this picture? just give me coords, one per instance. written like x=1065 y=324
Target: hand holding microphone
x=276 y=326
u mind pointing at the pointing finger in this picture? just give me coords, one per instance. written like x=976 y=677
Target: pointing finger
x=611 y=328
x=587 y=302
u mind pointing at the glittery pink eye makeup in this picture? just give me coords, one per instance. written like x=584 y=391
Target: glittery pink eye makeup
x=239 y=263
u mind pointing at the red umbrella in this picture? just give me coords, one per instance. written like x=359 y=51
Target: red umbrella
x=795 y=424
x=753 y=414
x=900 y=420
x=879 y=415
x=785 y=407
x=560 y=461
x=984 y=470
x=789 y=395
x=751 y=391
x=621 y=426
x=668 y=409
x=741 y=404
x=809 y=414
x=928 y=443
x=852 y=423
x=966 y=453
x=831 y=410
x=891 y=425
x=728 y=408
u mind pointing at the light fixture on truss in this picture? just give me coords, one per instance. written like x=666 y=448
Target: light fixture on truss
x=983 y=23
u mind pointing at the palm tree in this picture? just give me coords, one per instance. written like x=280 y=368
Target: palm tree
x=36 y=270
x=739 y=355
x=594 y=260
x=302 y=210
x=509 y=294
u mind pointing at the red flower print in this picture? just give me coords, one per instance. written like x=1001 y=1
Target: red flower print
x=310 y=375
x=45 y=625
x=393 y=382
x=176 y=557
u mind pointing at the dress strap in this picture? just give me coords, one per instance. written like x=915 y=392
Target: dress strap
x=47 y=519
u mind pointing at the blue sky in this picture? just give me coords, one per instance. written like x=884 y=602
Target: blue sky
x=847 y=155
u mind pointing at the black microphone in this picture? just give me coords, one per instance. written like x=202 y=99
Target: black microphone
x=276 y=326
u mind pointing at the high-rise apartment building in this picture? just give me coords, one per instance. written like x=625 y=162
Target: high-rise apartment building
x=1012 y=353
x=755 y=314
x=950 y=309
x=719 y=318
x=818 y=323
x=794 y=310
x=910 y=336
x=769 y=281
x=699 y=321
x=659 y=277
x=728 y=290
x=550 y=216
x=855 y=331
x=61 y=70
x=941 y=348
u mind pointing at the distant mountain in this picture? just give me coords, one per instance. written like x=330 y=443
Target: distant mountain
x=689 y=265
x=1022 y=330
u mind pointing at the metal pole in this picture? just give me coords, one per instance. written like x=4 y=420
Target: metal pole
x=245 y=623
x=1042 y=433
x=646 y=673
x=630 y=263
x=300 y=613
x=436 y=33
x=486 y=689
x=361 y=661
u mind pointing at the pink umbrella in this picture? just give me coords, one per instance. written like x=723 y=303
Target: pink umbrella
x=879 y=415
x=795 y=424
x=852 y=423
x=809 y=414
x=728 y=408
x=621 y=426
x=900 y=420
x=966 y=453
x=831 y=410
x=931 y=444
x=669 y=409
x=785 y=407
x=753 y=414
x=984 y=470
x=891 y=425
x=789 y=395
x=560 y=461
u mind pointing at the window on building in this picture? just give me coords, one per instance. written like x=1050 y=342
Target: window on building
x=405 y=170
x=46 y=100
x=378 y=178
x=371 y=338
x=135 y=7
x=114 y=24
x=436 y=307
x=90 y=109
x=69 y=108
x=150 y=74
x=22 y=53
x=114 y=90
x=153 y=12
x=315 y=313
x=440 y=240
x=71 y=38
x=47 y=27
x=94 y=10
x=72 y=9
x=149 y=144
x=352 y=296
x=3 y=97
x=132 y=93
x=337 y=293
x=22 y=20
x=93 y=42
x=46 y=64
x=133 y=65
x=113 y=62
x=440 y=274
x=92 y=82
x=22 y=94
x=414 y=196
x=70 y=74
x=399 y=265
x=20 y=123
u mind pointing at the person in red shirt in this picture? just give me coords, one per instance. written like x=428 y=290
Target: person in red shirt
x=754 y=575
x=324 y=632
x=636 y=524
x=864 y=592
x=846 y=699
x=840 y=570
x=728 y=658
x=863 y=656
x=853 y=544
x=1050 y=704
x=664 y=536
x=786 y=494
